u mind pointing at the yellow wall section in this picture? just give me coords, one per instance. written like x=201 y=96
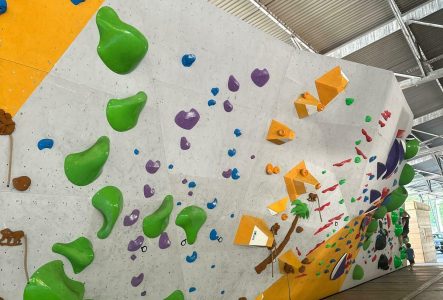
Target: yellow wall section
x=33 y=36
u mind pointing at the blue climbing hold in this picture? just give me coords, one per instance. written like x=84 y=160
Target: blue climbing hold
x=232 y=152
x=237 y=132
x=3 y=6
x=215 y=91
x=188 y=60
x=191 y=258
x=77 y=2
x=213 y=266
x=213 y=236
x=179 y=203
x=192 y=289
x=171 y=166
x=192 y=184
x=372 y=158
x=212 y=102
x=45 y=143
x=232 y=215
x=235 y=174
x=136 y=152
x=213 y=204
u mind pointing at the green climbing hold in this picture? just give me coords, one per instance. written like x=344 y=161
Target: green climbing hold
x=109 y=201
x=372 y=227
x=403 y=253
x=176 y=295
x=323 y=172
x=121 y=46
x=353 y=200
x=191 y=219
x=395 y=199
x=358 y=272
x=407 y=174
x=368 y=119
x=357 y=159
x=50 y=282
x=346 y=219
x=357 y=142
x=367 y=243
x=412 y=148
x=397 y=262
x=398 y=229
x=342 y=181
x=394 y=217
x=341 y=201
x=349 y=101
x=78 y=252
x=84 y=167
x=380 y=212
x=122 y=114
x=401 y=211
x=156 y=223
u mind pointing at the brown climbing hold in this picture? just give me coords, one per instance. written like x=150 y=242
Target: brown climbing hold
x=301 y=269
x=275 y=228
x=312 y=197
x=288 y=268
x=305 y=261
x=21 y=183
x=299 y=229
x=12 y=238
x=7 y=126
x=242 y=298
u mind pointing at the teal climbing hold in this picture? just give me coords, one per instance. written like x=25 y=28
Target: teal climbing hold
x=191 y=219
x=122 y=114
x=121 y=46
x=176 y=295
x=157 y=222
x=50 y=282
x=78 y=252
x=84 y=167
x=109 y=201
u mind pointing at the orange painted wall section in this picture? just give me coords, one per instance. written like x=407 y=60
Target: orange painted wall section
x=33 y=36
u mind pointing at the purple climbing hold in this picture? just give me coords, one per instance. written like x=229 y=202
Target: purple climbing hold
x=374 y=195
x=133 y=256
x=132 y=218
x=393 y=158
x=152 y=166
x=233 y=84
x=228 y=106
x=187 y=120
x=184 y=143
x=148 y=191
x=260 y=77
x=136 y=280
x=164 y=241
x=227 y=174
x=143 y=293
x=381 y=169
x=185 y=181
x=134 y=245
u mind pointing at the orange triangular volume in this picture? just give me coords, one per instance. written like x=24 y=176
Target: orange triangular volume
x=279 y=133
x=297 y=179
x=330 y=85
x=253 y=231
x=306 y=105
x=291 y=259
x=278 y=206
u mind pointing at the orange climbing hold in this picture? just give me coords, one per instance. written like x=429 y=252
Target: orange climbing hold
x=330 y=85
x=307 y=105
x=278 y=206
x=284 y=217
x=291 y=261
x=279 y=133
x=271 y=169
x=297 y=179
x=253 y=231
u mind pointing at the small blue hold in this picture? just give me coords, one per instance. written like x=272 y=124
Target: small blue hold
x=366 y=199
x=212 y=102
x=213 y=266
x=192 y=289
x=232 y=152
x=192 y=257
x=171 y=166
x=371 y=177
x=188 y=60
x=237 y=132
x=235 y=174
x=394 y=183
x=213 y=236
x=360 y=212
x=365 y=190
x=179 y=203
x=213 y=204
x=136 y=152
x=232 y=215
x=77 y=2
x=45 y=143
x=192 y=184
x=215 y=91
x=372 y=158
x=3 y=6
x=222 y=292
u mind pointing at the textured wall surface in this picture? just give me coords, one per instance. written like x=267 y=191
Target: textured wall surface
x=69 y=107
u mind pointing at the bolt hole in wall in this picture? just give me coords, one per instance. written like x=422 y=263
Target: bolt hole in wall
x=167 y=165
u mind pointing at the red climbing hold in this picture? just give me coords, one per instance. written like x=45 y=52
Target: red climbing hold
x=330 y=189
x=368 y=138
x=340 y=164
x=359 y=152
x=321 y=208
x=380 y=122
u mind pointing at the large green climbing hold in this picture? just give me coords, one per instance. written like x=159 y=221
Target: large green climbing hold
x=121 y=46
x=109 y=201
x=176 y=295
x=84 y=167
x=372 y=227
x=380 y=212
x=412 y=148
x=398 y=229
x=394 y=217
x=407 y=174
x=78 y=252
x=397 y=262
x=191 y=219
x=50 y=282
x=156 y=223
x=122 y=114
x=395 y=199
x=358 y=273
x=366 y=243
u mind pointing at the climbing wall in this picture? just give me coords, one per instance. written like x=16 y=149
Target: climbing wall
x=189 y=155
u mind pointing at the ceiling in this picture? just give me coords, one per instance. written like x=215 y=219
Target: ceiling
x=369 y=32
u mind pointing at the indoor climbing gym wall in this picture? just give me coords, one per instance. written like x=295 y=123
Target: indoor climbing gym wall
x=163 y=149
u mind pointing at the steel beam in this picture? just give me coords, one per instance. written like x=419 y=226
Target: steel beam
x=297 y=40
x=385 y=29
x=429 y=117
x=434 y=75
x=424 y=24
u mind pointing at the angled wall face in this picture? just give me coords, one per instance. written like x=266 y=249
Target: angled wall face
x=218 y=164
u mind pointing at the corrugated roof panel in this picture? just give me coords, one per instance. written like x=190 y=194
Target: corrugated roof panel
x=424 y=98
x=407 y=5
x=430 y=39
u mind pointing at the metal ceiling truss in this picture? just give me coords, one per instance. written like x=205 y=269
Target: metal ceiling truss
x=429 y=117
